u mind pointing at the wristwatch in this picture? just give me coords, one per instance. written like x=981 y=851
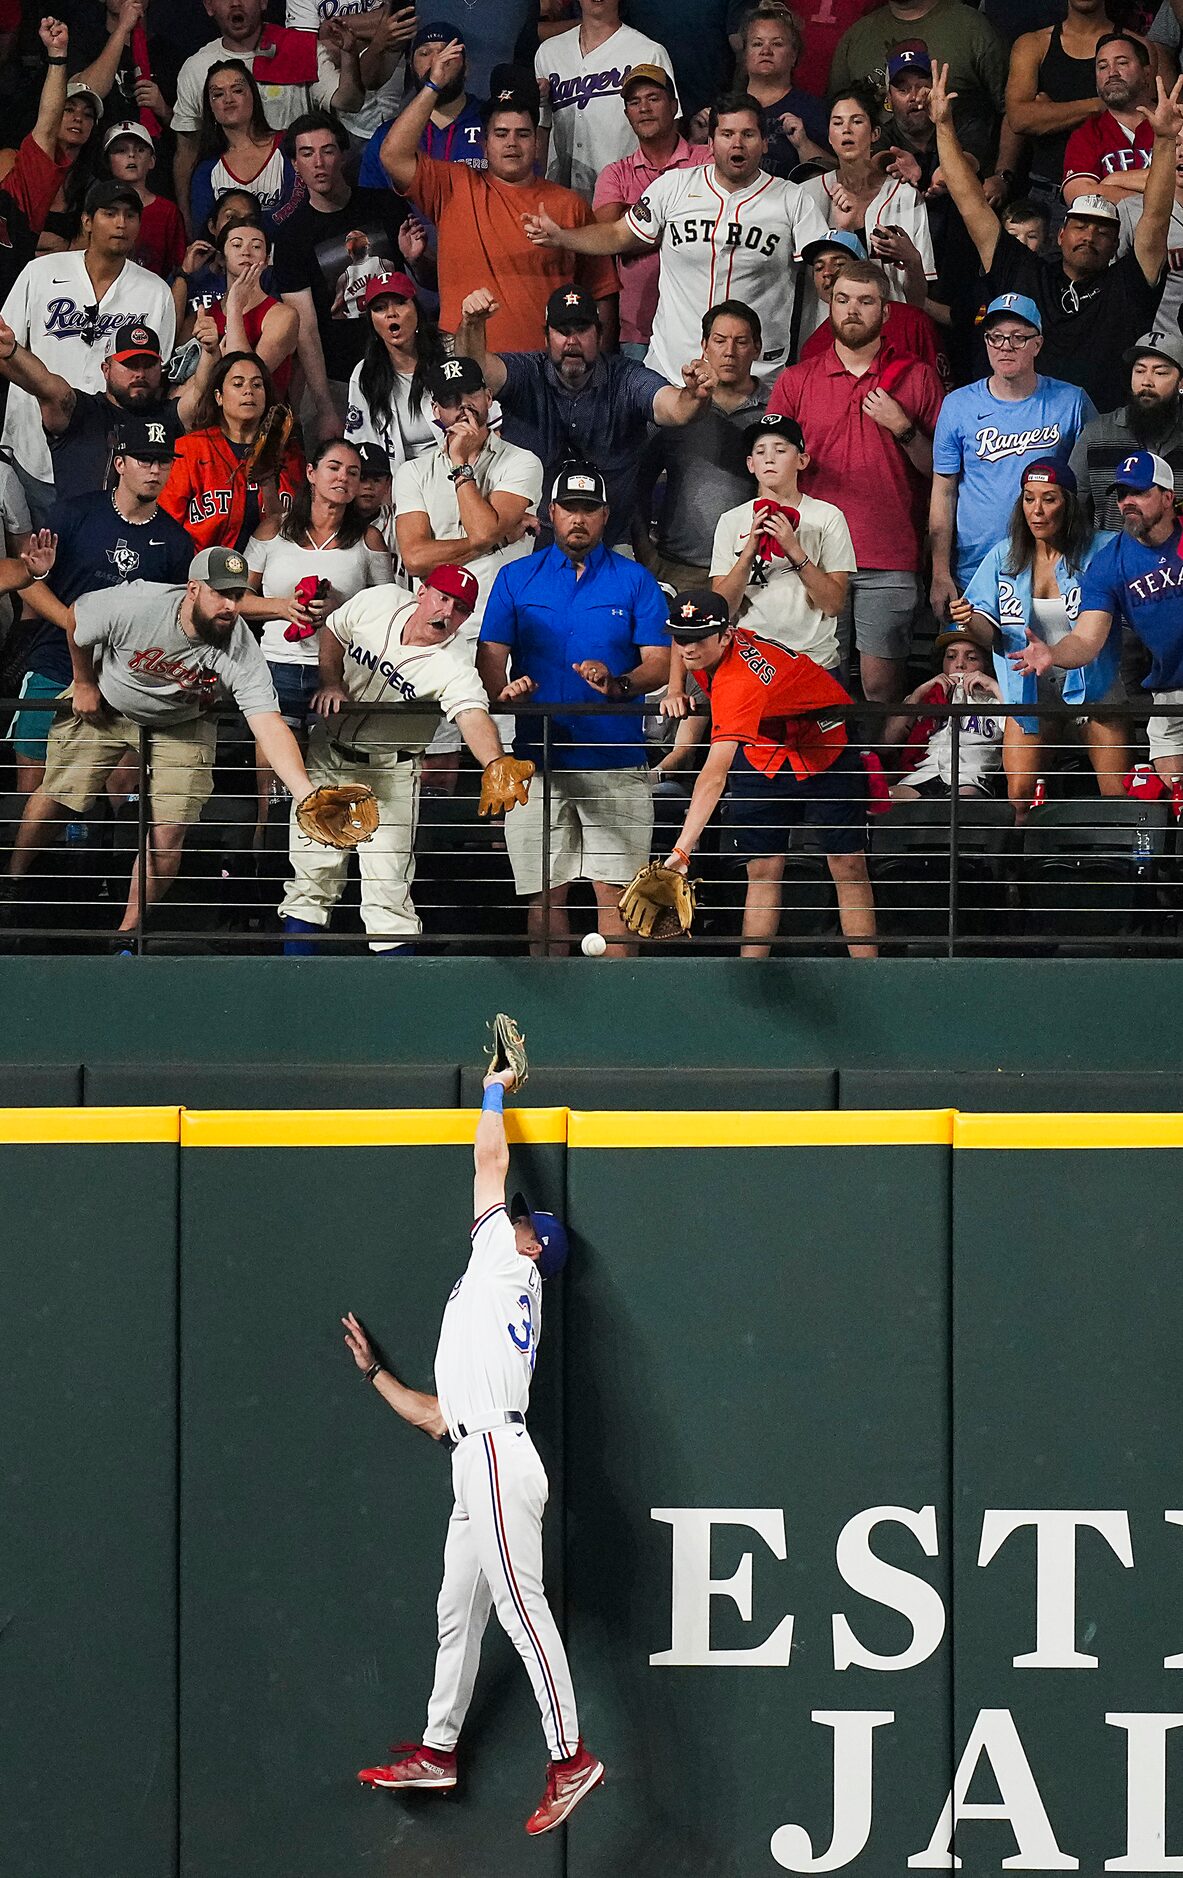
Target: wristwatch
x=463 y=474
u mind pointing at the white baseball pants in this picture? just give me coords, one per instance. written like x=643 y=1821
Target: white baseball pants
x=493 y=1561
x=387 y=863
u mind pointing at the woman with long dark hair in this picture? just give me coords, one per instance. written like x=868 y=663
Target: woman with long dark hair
x=858 y=196
x=1031 y=580
x=77 y=146
x=237 y=148
x=322 y=538
x=208 y=490
x=388 y=402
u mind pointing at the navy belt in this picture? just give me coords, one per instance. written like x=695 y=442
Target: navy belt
x=498 y=1421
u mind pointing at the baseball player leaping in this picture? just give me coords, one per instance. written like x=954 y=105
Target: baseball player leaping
x=493 y=1552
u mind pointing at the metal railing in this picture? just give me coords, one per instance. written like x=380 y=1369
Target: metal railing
x=951 y=873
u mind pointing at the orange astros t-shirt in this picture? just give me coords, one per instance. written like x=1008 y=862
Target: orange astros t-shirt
x=482 y=244
x=756 y=692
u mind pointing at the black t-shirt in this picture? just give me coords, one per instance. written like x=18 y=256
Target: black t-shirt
x=18 y=243
x=82 y=452
x=1087 y=325
x=334 y=254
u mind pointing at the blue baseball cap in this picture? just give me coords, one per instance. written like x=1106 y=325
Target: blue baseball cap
x=837 y=238
x=1018 y=306
x=1046 y=470
x=551 y=1232
x=1143 y=470
x=435 y=33
x=911 y=55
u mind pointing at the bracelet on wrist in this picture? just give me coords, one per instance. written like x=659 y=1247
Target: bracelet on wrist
x=681 y=854
x=52 y=61
x=44 y=576
x=429 y=84
x=372 y=1371
x=800 y=566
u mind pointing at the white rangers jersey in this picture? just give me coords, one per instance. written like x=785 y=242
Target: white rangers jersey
x=379 y=669
x=719 y=244
x=52 y=311
x=490 y=1330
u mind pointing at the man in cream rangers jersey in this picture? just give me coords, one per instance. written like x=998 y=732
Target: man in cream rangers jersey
x=385 y=646
x=728 y=231
x=66 y=308
x=493 y=1555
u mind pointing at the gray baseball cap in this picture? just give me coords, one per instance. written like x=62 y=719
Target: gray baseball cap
x=223 y=569
x=1157 y=344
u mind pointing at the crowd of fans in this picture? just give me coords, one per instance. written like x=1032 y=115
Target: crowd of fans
x=754 y=361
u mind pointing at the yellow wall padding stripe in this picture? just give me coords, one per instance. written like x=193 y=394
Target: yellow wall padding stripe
x=359 y=1128
x=760 y=1128
x=27 y=1127
x=1120 y=1130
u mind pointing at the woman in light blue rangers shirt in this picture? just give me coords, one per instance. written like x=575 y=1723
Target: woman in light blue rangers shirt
x=1030 y=584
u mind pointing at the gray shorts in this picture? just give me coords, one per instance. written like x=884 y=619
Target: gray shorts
x=877 y=618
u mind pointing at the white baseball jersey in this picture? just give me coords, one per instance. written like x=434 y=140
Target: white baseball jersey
x=719 y=244
x=979 y=748
x=380 y=669
x=585 y=113
x=307 y=16
x=490 y=1330
x=52 y=311
x=897 y=205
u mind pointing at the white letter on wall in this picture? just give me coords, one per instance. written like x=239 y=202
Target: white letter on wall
x=886 y=1584
x=1055 y=1576
x=1146 y=1792
x=1173 y=1662
x=995 y=1735
x=693 y=1587
x=791 y=1846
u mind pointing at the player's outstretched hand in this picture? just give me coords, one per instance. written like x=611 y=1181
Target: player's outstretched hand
x=505 y=1077
x=357 y=1343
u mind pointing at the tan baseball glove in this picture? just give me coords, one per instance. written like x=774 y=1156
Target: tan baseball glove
x=506 y=781
x=264 y=458
x=509 y=1049
x=339 y=817
x=658 y=903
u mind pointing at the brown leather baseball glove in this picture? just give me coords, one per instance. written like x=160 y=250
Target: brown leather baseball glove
x=339 y=817
x=506 y=781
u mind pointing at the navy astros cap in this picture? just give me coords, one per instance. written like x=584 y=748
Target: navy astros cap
x=551 y=1232
x=772 y=424
x=569 y=307
x=697 y=612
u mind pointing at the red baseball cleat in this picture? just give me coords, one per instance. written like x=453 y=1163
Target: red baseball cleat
x=415 y=1767
x=566 y=1784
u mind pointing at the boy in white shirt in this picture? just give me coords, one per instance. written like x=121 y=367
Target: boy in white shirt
x=782 y=561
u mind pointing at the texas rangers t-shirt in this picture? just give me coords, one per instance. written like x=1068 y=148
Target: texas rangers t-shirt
x=1144 y=587
x=585 y=112
x=491 y=1325
x=986 y=441
x=97 y=549
x=720 y=244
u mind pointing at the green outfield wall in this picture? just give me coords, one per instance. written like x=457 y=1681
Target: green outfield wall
x=864 y=1527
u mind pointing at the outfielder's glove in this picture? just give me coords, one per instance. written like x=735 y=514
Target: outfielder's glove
x=265 y=456
x=658 y=903
x=339 y=817
x=506 y=780
x=509 y=1049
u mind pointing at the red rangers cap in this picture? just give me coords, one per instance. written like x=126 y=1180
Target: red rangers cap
x=456 y=581
x=401 y=286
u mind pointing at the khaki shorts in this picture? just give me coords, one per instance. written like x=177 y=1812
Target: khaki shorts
x=80 y=757
x=679 y=574
x=601 y=828
x=1165 y=733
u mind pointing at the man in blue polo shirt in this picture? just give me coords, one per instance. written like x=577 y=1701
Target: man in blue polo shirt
x=1138 y=578
x=575 y=399
x=578 y=623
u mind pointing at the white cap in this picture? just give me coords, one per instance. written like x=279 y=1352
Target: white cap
x=128 y=130
x=1093 y=209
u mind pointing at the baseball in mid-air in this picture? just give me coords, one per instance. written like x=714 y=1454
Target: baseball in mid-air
x=594 y=945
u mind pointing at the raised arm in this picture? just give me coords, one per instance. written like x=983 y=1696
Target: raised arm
x=416 y=1407
x=400 y=146
x=490 y=1149
x=1150 y=236
x=55 y=37
x=471 y=336
x=25 y=370
x=961 y=178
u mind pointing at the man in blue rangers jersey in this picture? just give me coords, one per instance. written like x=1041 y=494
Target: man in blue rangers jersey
x=1138 y=577
x=493 y=1554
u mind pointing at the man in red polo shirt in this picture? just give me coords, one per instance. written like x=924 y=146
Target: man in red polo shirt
x=871 y=411
x=778 y=768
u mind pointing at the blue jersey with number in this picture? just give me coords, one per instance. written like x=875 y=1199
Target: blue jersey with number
x=1144 y=587
x=97 y=548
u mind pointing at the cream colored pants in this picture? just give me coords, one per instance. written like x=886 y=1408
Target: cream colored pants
x=387 y=862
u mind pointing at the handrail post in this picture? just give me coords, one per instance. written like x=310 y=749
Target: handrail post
x=546 y=758
x=954 y=826
x=143 y=835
